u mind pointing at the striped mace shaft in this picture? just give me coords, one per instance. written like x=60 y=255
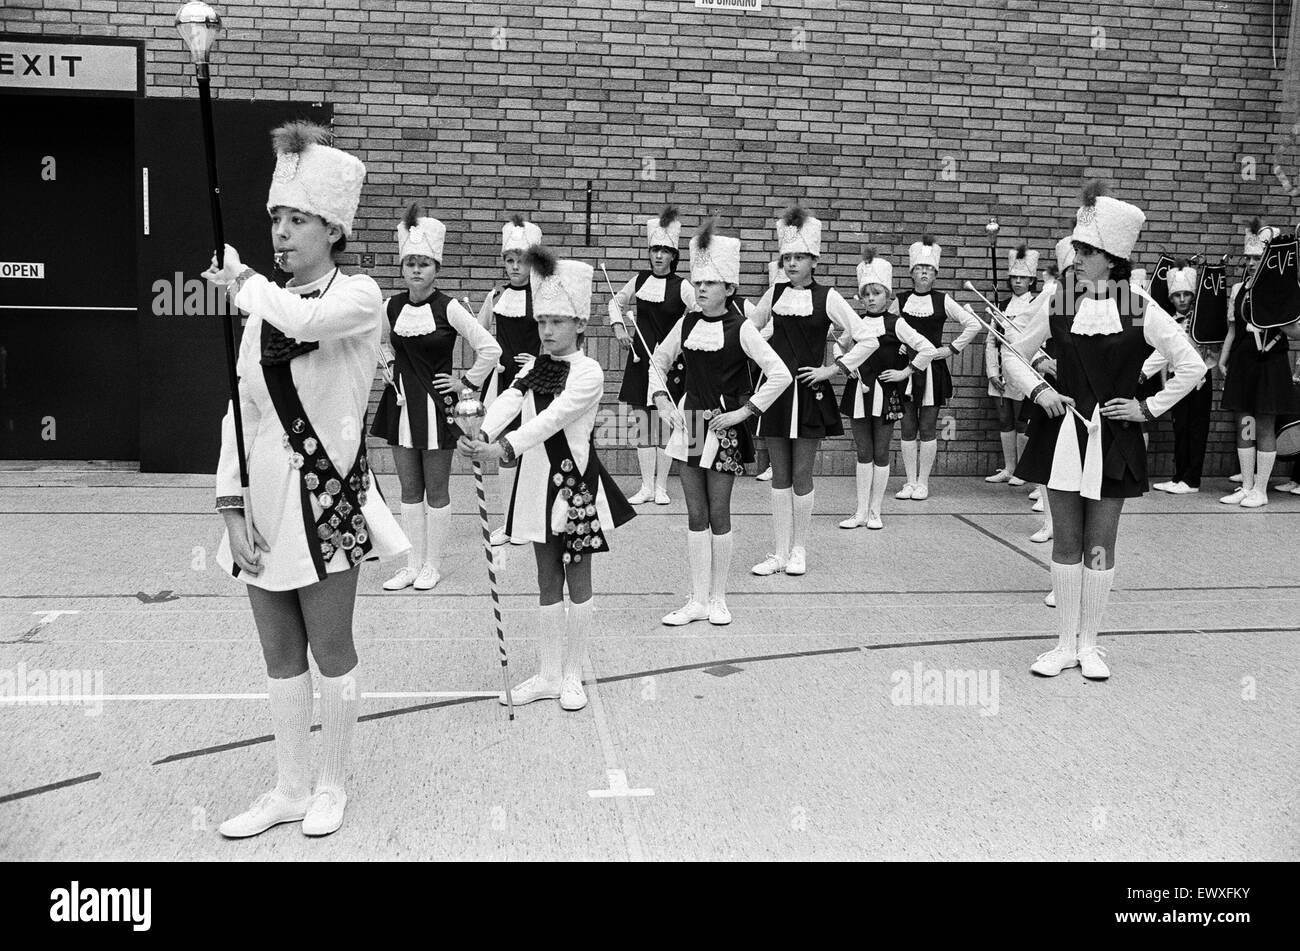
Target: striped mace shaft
x=492 y=582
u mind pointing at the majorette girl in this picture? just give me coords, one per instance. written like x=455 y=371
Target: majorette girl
x=715 y=344
x=564 y=501
x=659 y=297
x=415 y=411
x=806 y=412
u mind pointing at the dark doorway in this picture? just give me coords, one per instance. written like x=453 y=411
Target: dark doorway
x=182 y=357
x=69 y=368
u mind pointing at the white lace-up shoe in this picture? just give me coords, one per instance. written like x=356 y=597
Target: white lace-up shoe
x=534 y=688
x=1094 y=668
x=769 y=566
x=269 y=809
x=692 y=610
x=572 y=696
x=403 y=579
x=718 y=613
x=797 y=563
x=427 y=578
x=1052 y=662
x=326 y=812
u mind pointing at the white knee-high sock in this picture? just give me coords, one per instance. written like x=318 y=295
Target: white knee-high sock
x=550 y=641
x=907 y=447
x=436 y=528
x=721 y=545
x=1067 y=583
x=1263 y=468
x=291 y=704
x=1009 y=451
x=645 y=457
x=698 y=557
x=413 y=525
x=340 y=697
x=879 y=483
x=575 y=645
x=803 y=512
x=864 y=473
x=505 y=486
x=1095 y=594
x=929 y=451
x=663 y=465
x=1247 y=459
x=782 y=515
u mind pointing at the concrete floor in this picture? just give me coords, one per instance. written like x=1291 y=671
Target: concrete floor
x=782 y=736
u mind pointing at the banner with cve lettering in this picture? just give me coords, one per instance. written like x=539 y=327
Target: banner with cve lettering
x=1158 y=285
x=1275 y=290
x=1210 y=311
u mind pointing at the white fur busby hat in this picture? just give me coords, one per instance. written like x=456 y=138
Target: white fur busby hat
x=1021 y=262
x=559 y=287
x=1257 y=236
x=925 y=251
x=665 y=230
x=1107 y=223
x=519 y=235
x=873 y=269
x=776 y=273
x=798 y=232
x=314 y=177
x=1181 y=279
x=1065 y=252
x=418 y=234
x=714 y=257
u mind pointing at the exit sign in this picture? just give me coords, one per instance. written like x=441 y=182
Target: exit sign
x=56 y=65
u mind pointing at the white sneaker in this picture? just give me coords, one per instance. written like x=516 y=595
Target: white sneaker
x=692 y=610
x=906 y=491
x=1234 y=498
x=1255 y=498
x=796 y=565
x=718 y=613
x=1289 y=485
x=1052 y=662
x=1090 y=659
x=1296 y=490
x=1002 y=475
x=499 y=536
x=874 y=521
x=661 y=497
x=856 y=520
x=1015 y=480
x=1037 y=506
x=326 y=812
x=920 y=492
x=1035 y=495
x=645 y=495
x=427 y=578
x=269 y=809
x=1049 y=599
x=1044 y=534
x=1163 y=486
x=765 y=475
x=403 y=579
x=572 y=696
x=1235 y=478
x=769 y=566
x=534 y=688
x=1181 y=488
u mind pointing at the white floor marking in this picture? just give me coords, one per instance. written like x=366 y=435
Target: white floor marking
x=386 y=695
x=617 y=787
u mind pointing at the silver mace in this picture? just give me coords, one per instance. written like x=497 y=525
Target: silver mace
x=469 y=413
x=1087 y=423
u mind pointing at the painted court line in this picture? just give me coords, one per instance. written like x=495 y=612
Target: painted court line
x=387 y=695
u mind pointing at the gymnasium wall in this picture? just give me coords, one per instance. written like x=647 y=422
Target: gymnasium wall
x=883 y=118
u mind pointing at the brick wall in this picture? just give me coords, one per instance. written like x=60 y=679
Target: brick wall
x=883 y=117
